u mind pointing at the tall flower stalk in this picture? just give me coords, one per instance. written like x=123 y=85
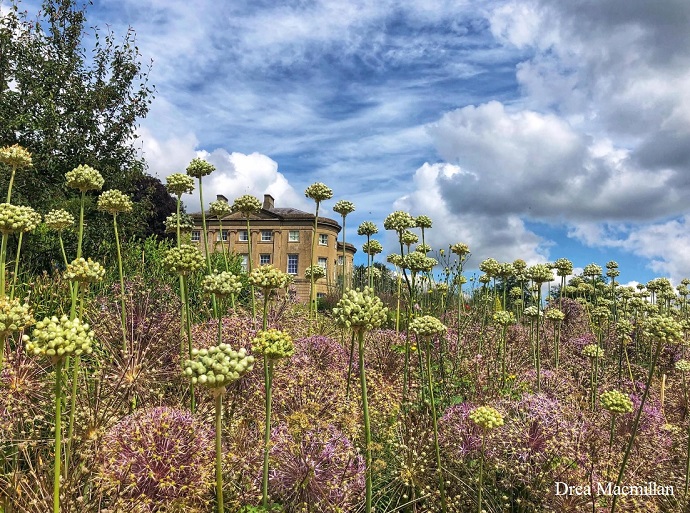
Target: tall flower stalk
x=539 y=274
x=59 y=220
x=248 y=205
x=221 y=209
x=16 y=157
x=487 y=418
x=344 y=207
x=319 y=192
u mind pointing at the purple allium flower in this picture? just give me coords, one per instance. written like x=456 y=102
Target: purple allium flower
x=320 y=352
x=458 y=434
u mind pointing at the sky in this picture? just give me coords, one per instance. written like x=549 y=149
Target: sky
x=533 y=129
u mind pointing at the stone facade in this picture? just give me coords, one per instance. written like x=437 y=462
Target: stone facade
x=281 y=237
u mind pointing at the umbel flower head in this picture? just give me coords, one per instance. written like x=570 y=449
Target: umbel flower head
x=418 y=262
x=316 y=270
x=408 y=238
x=423 y=248
x=84 y=271
x=399 y=221
x=373 y=247
x=15 y=218
x=367 y=228
x=539 y=273
x=31 y=219
x=217 y=366
x=246 y=204
x=179 y=184
x=427 y=326
x=183 y=260
x=222 y=284
x=267 y=277
x=555 y=315
x=504 y=318
x=114 y=202
x=59 y=338
x=663 y=328
x=58 y=219
x=616 y=402
x=563 y=266
x=592 y=270
x=486 y=417
x=490 y=266
x=395 y=259
x=422 y=221
x=343 y=207
x=199 y=168
x=460 y=249
x=318 y=192
x=361 y=311
x=219 y=208
x=532 y=312
x=15 y=156
x=14 y=316
x=592 y=351
x=186 y=223
x=84 y=178
x=273 y=344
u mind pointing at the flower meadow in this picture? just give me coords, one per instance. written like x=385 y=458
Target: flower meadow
x=170 y=380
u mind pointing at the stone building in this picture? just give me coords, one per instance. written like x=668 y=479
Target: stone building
x=281 y=236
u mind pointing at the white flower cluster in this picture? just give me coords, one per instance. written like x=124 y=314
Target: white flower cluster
x=59 y=338
x=217 y=366
x=361 y=311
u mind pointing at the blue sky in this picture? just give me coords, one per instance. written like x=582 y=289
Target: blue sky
x=533 y=129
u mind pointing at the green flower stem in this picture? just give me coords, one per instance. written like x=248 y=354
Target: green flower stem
x=538 y=348
x=3 y=257
x=441 y=482
x=349 y=366
x=81 y=224
x=72 y=406
x=268 y=380
x=481 y=477
x=219 y=453
x=208 y=255
x=16 y=265
x=312 y=290
x=58 y=437
x=9 y=188
x=62 y=249
x=222 y=246
x=249 y=266
x=367 y=424
x=264 y=322
x=122 y=287
x=397 y=308
x=187 y=320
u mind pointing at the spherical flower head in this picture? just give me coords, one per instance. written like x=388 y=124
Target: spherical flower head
x=179 y=184
x=58 y=338
x=222 y=284
x=199 y=168
x=592 y=351
x=504 y=318
x=418 y=262
x=515 y=293
x=14 y=316
x=395 y=259
x=219 y=209
x=555 y=315
x=563 y=266
x=505 y=270
x=183 y=260
x=592 y=270
x=267 y=277
x=490 y=266
x=663 y=328
x=84 y=271
x=423 y=248
x=612 y=273
x=318 y=192
x=399 y=221
x=375 y=273
x=460 y=279
x=616 y=402
x=624 y=329
x=486 y=417
x=360 y=310
x=343 y=207
x=217 y=366
x=427 y=326
x=246 y=205
x=423 y=222
x=58 y=219
x=373 y=247
x=532 y=312
x=683 y=365
x=30 y=219
x=15 y=156
x=408 y=238
x=13 y=218
x=601 y=314
x=442 y=288
x=186 y=223
x=367 y=228
x=314 y=270
x=539 y=273
x=460 y=249
x=84 y=178
x=519 y=265
x=273 y=344
x=114 y=202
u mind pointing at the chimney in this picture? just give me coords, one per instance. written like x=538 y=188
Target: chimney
x=268 y=202
x=220 y=197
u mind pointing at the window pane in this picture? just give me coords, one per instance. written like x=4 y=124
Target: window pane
x=323 y=239
x=322 y=262
x=265 y=259
x=196 y=236
x=224 y=235
x=293 y=236
x=266 y=236
x=244 y=262
x=292 y=264
x=243 y=236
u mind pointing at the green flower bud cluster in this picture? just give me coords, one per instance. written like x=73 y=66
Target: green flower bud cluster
x=592 y=270
x=554 y=314
x=427 y=326
x=344 y=207
x=367 y=228
x=418 y=262
x=318 y=192
x=395 y=259
x=505 y=270
x=460 y=249
x=460 y=279
x=199 y=167
x=361 y=311
x=375 y=273
x=84 y=271
x=683 y=365
x=58 y=219
x=183 y=260
x=15 y=156
x=663 y=328
x=84 y=178
x=15 y=218
x=601 y=313
x=504 y=318
x=592 y=351
x=373 y=247
x=222 y=284
x=485 y=278
x=273 y=344
x=408 y=238
x=490 y=266
x=423 y=222
x=616 y=402
x=246 y=204
x=14 y=316
x=442 y=288
x=515 y=293
x=532 y=312
x=179 y=184
x=59 y=338
x=217 y=366
x=423 y=248
x=186 y=223
x=398 y=221
x=486 y=417
x=114 y=202
x=316 y=270
x=268 y=277
x=539 y=273
x=219 y=209
x=563 y=266
x=624 y=328
x=31 y=219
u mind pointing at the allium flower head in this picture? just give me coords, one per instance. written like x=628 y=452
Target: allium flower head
x=222 y=284
x=460 y=249
x=373 y=247
x=186 y=223
x=273 y=344
x=318 y=192
x=532 y=312
x=114 y=202
x=395 y=259
x=219 y=208
x=59 y=338
x=539 y=273
x=616 y=402
x=663 y=328
x=14 y=218
x=592 y=351
x=418 y=262
x=15 y=156
x=554 y=314
x=179 y=184
x=408 y=238
x=422 y=221
x=199 y=168
x=460 y=279
x=217 y=366
x=343 y=207
x=31 y=219
x=398 y=221
x=246 y=205
x=267 y=277
x=361 y=311
x=683 y=365
x=316 y=270
x=484 y=279
x=84 y=178
x=504 y=318
x=563 y=266
x=423 y=248
x=427 y=326
x=486 y=417
x=58 y=219
x=490 y=266
x=441 y=288
x=84 y=271
x=183 y=260
x=592 y=270
x=367 y=228
x=14 y=316
x=375 y=273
